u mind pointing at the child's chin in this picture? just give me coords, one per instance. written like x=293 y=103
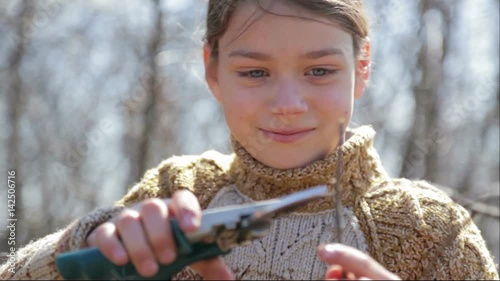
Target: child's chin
x=286 y=162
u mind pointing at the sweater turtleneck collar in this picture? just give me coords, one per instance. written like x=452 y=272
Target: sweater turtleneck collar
x=361 y=171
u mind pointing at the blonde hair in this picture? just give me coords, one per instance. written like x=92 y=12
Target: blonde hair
x=349 y=14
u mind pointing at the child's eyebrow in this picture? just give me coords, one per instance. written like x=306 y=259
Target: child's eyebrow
x=265 y=57
x=323 y=53
x=250 y=54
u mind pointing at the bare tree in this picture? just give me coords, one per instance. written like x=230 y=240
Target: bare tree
x=143 y=109
x=153 y=76
x=15 y=94
x=426 y=110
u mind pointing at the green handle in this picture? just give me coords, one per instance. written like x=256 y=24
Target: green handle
x=89 y=264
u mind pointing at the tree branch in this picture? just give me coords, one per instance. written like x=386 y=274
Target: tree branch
x=475 y=206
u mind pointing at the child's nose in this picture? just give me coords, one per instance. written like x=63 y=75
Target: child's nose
x=288 y=99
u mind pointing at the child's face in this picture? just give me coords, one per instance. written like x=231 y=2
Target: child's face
x=283 y=107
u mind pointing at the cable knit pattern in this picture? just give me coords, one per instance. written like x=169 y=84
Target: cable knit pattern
x=203 y=175
x=361 y=170
x=418 y=232
x=410 y=227
x=74 y=237
x=288 y=251
x=35 y=261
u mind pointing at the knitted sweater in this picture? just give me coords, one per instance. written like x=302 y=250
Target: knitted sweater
x=410 y=227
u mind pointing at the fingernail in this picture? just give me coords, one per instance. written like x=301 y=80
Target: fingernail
x=149 y=266
x=188 y=220
x=168 y=256
x=119 y=255
x=329 y=248
x=326 y=251
x=350 y=276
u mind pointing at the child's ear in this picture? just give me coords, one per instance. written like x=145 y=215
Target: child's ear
x=362 y=68
x=211 y=72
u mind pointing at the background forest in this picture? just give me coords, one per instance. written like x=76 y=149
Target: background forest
x=93 y=93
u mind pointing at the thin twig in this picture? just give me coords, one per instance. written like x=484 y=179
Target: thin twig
x=338 y=174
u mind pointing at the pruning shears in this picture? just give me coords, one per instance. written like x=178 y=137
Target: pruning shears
x=221 y=230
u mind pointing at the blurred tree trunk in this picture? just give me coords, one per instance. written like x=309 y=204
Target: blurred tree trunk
x=154 y=90
x=15 y=101
x=421 y=161
x=142 y=120
x=432 y=158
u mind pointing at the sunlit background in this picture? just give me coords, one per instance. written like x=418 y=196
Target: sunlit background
x=93 y=93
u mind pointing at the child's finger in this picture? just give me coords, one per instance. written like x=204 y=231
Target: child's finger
x=355 y=261
x=133 y=236
x=154 y=215
x=334 y=272
x=350 y=276
x=186 y=209
x=91 y=239
x=105 y=238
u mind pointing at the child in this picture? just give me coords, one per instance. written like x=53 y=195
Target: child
x=286 y=73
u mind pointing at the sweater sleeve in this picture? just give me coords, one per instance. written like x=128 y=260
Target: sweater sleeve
x=418 y=232
x=37 y=260
x=204 y=175
x=201 y=175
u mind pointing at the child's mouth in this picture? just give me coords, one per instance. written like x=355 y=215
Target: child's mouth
x=287 y=136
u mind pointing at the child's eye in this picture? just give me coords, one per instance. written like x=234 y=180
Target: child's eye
x=252 y=73
x=322 y=71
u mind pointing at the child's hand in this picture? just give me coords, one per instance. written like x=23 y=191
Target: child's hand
x=142 y=234
x=355 y=264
